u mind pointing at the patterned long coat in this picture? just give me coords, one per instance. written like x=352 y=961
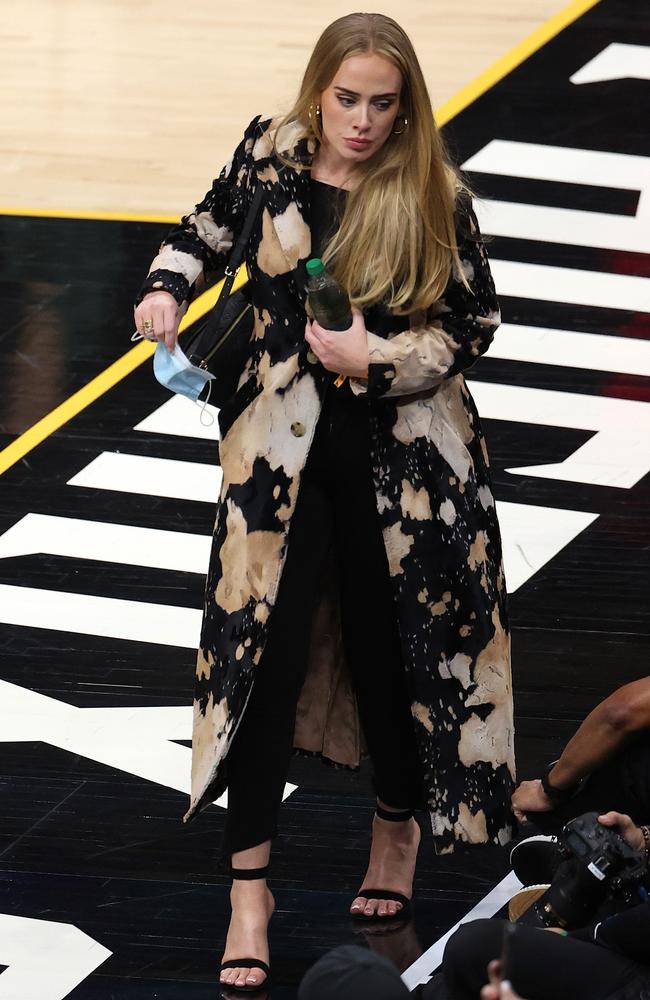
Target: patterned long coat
x=434 y=499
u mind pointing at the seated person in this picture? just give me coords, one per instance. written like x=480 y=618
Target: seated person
x=606 y=765
x=608 y=960
x=352 y=973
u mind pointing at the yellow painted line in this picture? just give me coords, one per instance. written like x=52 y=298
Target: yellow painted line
x=74 y=404
x=512 y=59
x=95 y=216
x=137 y=355
x=101 y=383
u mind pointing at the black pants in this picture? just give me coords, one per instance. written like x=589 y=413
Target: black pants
x=336 y=505
x=543 y=965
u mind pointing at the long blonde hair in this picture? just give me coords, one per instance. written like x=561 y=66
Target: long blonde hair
x=396 y=240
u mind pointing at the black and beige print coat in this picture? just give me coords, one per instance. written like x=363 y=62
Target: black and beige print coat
x=433 y=496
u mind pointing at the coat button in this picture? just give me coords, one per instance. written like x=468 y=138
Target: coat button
x=297 y=429
x=311 y=358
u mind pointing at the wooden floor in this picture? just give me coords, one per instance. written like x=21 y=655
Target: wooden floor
x=124 y=106
x=107 y=503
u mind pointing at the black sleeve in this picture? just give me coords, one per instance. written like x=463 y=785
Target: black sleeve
x=628 y=933
x=201 y=242
x=453 y=333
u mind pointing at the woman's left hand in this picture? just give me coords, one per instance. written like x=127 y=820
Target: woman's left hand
x=344 y=352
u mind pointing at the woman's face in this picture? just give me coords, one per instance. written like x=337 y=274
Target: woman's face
x=360 y=106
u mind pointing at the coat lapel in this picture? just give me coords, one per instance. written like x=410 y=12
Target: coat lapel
x=287 y=215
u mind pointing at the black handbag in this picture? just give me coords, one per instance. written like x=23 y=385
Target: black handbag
x=218 y=342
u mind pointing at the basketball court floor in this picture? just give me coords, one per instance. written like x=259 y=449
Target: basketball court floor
x=108 y=485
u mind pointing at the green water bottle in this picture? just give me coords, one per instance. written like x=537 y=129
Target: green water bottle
x=327 y=299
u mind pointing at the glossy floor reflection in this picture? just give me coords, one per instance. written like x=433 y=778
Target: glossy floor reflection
x=97 y=637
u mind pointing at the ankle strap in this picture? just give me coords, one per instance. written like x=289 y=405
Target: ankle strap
x=393 y=817
x=249 y=873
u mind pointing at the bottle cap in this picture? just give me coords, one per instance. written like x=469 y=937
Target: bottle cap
x=315 y=266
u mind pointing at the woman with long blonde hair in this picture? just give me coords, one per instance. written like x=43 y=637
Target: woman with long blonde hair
x=355 y=598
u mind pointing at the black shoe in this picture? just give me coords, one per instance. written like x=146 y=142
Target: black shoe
x=386 y=894
x=247 y=963
x=535 y=859
x=521 y=902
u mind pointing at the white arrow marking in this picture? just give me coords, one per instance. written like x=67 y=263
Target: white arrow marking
x=570 y=349
x=160 y=477
x=617 y=61
x=569 y=284
x=116 y=543
x=618 y=455
x=107 y=616
x=576 y=227
x=135 y=740
x=179 y=417
x=562 y=164
x=46 y=959
x=532 y=536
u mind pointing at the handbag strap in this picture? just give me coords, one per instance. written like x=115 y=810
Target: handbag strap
x=237 y=256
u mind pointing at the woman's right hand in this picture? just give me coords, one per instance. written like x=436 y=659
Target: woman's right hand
x=158 y=317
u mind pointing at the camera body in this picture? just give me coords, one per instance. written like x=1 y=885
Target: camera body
x=597 y=871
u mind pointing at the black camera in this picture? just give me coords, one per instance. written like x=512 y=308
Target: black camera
x=598 y=874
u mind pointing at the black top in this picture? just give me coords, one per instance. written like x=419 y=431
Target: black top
x=339 y=404
x=327 y=204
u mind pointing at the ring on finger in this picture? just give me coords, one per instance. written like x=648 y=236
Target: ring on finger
x=147 y=326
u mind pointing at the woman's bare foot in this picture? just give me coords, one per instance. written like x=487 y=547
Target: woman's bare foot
x=252 y=906
x=392 y=866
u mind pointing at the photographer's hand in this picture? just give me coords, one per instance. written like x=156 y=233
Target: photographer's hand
x=529 y=796
x=628 y=830
x=497 y=989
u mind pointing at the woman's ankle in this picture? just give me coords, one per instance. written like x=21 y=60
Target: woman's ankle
x=405 y=835
x=252 y=858
x=393 y=814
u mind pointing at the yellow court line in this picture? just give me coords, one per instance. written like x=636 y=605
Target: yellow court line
x=74 y=404
x=79 y=400
x=137 y=355
x=93 y=215
x=512 y=59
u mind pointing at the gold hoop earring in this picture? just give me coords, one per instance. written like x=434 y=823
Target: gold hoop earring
x=315 y=118
x=402 y=130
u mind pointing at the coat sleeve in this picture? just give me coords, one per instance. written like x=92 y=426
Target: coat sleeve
x=200 y=244
x=453 y=333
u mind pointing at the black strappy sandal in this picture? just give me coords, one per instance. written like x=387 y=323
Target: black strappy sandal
x=247 y=963
x=386 y=894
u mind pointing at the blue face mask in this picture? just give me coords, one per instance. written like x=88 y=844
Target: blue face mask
x=177 y=373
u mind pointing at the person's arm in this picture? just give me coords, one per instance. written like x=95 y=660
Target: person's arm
x=454 y=333
x=605 y=730
x=202 y=241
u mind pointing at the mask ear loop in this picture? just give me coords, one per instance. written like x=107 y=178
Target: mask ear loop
x=204 y=410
